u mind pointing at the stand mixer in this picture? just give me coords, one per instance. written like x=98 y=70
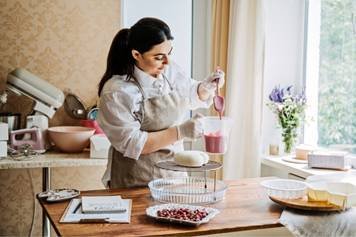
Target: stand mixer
x=47 y=100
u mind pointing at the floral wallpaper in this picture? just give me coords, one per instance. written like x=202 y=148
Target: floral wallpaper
x=66 y=43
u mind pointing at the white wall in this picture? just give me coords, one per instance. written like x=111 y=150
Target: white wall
x=283 y=54
x=201 y=39
x=176 y=13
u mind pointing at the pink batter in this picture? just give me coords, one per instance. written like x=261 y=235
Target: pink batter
x=215 y=142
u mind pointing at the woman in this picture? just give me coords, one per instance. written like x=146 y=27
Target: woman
x=144 y=100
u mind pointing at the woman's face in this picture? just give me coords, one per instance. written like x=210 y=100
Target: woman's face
x=154 y=60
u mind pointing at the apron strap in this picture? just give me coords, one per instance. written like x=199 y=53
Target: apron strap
x=169 y=83
x=139 y=87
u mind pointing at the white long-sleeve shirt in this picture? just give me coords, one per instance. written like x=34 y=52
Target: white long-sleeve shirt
x=119 y=114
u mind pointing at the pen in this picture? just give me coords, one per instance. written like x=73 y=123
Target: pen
x=95 y=220
x=77 y=207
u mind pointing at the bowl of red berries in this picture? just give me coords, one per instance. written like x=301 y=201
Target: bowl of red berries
x=182 y=213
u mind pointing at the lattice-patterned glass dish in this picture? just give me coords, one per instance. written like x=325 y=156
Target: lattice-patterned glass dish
x=189 y=190
x=285 y=188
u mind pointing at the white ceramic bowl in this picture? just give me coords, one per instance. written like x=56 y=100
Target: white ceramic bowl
x=285 y=188
x=70 y=138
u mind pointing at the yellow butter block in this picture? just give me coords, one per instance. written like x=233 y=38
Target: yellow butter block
x=315 y=195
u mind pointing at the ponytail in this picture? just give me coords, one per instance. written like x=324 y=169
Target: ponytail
x=119 y=61
x=143 y=36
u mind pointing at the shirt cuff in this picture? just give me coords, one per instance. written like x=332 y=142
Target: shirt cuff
x=136 y=144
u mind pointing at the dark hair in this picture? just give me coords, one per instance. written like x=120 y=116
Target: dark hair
x=142 y=36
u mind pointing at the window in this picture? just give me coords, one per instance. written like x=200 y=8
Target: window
x=330 y=74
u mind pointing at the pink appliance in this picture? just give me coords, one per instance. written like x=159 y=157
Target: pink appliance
x=31 y=136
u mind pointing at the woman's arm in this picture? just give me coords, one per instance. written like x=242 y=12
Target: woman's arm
x=157 y=140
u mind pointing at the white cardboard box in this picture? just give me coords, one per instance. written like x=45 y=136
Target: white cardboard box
x=99 y=146
x=4 y=132
x=3 y=149
x=328 y=160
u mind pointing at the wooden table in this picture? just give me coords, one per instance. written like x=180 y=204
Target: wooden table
x=245 y=207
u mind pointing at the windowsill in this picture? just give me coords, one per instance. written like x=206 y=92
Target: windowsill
x=300 y=170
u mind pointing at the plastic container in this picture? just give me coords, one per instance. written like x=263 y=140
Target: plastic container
x=188 y=190
x=91 y=124
x=337 y=189
x=216 y=134
x=285 y=188
x=342 y=194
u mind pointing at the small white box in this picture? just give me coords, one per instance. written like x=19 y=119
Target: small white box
x=3 y=149
x=328 y=160
x=99 y=146
x=352 y=159
x=4 y=132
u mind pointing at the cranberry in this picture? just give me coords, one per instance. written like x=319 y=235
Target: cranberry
x=183 y=214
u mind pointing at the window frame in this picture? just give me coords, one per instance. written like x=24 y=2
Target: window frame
x=311 y=69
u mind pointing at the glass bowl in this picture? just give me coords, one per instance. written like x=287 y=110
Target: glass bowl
x=285 y=188
x=187 y=190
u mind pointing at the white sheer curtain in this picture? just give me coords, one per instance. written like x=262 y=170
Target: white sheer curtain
x=244 y=89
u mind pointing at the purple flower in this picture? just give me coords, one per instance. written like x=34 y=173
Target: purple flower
x=276 y=95
x=289 y=108
x=280 y=95
x=289 y=90
x=301 y=98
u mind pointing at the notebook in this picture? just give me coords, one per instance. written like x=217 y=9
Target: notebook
x=101 y=204
x=74 y=214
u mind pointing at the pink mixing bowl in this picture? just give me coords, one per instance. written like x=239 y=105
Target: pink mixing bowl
x=70 y=138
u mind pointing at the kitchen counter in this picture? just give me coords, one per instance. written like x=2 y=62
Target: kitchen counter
x=299 y=170
x=245 y=207
x=50 y=160
x=53 y=159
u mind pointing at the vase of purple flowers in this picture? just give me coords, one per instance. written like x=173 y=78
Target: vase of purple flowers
x=289 y=109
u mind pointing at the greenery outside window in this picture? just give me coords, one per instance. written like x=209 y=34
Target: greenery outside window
x=330 y=76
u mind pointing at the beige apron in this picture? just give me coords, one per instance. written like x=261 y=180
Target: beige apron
x=158 y=113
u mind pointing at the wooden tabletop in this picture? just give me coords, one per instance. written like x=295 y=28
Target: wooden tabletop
x=245 y=207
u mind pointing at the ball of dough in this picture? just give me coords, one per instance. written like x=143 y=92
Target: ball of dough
x=191 y=158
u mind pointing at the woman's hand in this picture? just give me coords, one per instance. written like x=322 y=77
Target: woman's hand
x=207 y=87
x=190 y=129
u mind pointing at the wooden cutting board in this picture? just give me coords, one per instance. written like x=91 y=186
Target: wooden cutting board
x=304 y=204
